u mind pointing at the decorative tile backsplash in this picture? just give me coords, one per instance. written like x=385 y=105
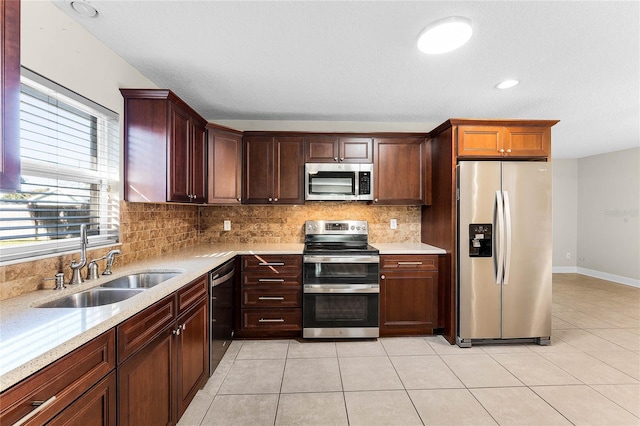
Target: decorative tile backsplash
x=284 y=224
x=149 y=230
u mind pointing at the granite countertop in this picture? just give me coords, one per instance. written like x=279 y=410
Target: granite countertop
x=31 y=338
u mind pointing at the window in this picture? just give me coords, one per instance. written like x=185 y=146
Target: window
x=69 y=154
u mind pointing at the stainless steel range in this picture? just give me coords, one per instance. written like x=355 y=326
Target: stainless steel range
x=340 y=281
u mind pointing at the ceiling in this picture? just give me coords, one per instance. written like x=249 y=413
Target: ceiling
x=578 y=62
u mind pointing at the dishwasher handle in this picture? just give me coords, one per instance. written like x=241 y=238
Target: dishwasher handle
x=215 y=280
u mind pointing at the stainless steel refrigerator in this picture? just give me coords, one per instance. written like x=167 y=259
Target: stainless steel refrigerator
x=503 y=251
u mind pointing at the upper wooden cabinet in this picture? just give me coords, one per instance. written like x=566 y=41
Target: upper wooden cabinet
x=225 y=166
x=273 y=169
x=400 y=172
x=164 y=148
x=344 y=149
x=519 y=139
x=9 y=95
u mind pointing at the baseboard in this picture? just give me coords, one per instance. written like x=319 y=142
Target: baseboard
x=609 y=277
x=564 y=270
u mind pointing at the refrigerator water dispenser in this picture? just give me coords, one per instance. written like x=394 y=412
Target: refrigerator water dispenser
x=480 y=240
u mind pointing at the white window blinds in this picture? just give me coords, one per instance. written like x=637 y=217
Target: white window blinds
x=69 y=155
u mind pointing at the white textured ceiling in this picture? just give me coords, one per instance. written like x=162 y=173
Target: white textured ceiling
x=577 y=61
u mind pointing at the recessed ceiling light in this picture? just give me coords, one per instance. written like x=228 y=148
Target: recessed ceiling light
x=507 y=84
x=85 y=9
x=445 y=35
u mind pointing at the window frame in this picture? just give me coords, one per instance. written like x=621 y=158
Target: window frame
x=108 y=172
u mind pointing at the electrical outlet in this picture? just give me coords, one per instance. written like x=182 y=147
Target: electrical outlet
x=393 y=224
x=227 y=225
x=568 y=255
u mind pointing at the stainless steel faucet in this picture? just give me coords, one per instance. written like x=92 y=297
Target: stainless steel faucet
x=110 y=258
x=76 y=276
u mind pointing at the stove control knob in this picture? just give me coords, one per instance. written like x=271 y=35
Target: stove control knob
x=358 y=227
x=364 y=227
x=353 y=227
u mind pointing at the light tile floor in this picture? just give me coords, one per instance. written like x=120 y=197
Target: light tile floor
x=589 y=375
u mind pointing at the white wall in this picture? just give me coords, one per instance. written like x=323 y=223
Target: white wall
x=57 y=47
x=608 y=216
x=565 y=215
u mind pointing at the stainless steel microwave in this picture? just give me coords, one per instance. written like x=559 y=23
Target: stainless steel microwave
x=338 y=182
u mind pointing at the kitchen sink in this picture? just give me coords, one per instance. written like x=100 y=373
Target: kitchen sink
x=141 y=280
x=93 y=297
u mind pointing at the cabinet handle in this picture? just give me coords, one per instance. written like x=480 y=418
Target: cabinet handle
x=184 y=326
x=335 y=158
x=501 y=150
x=341 y=158
x=40 y=406
x=271 y=320
x=270 y=280
x=271 y=298
x=270 y=199
x=271 y=264
x=375 y=200
x=509 y=150
x=409 y=263
x=176 y=332
x=382 y=277
x=275 y=199
x=239 y=199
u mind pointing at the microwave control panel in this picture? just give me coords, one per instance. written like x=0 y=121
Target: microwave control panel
x=365 y=182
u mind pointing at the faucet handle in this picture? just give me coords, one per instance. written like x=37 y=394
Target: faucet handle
x=59 y=279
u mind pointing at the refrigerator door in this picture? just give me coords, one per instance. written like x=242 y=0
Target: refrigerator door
x=478 y=285
x=526 y=292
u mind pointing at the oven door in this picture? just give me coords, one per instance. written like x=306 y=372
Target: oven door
x=340 y=311
x=352 y=269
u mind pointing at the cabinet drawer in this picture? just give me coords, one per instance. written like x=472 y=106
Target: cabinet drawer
x=135 y=332
x=262 y=279
x=409 y=262
x=272 y=319
x=271 y=297
x=192 y=293
x=61 y=382
x=272 y=264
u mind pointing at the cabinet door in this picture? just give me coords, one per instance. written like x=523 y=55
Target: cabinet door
x=146 y=384
x=10 y=95
x=258 y=169
x=193 y=354
x=527 y=141
x=198 y=162
x=480 y=141
x=288 y=170
x=408 y=302
x=356 y=150
x=179 y=135
x=96 y=407
x=321 y=149
x=225 y=168
x=399 y=176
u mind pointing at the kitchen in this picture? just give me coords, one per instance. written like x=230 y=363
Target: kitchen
x=177 y=226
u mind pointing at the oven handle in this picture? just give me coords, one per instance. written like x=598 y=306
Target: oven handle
x=341 y=288
x=341 y=259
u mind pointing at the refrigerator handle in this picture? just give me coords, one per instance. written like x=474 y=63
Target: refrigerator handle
x=507 y=218
x=500 y=244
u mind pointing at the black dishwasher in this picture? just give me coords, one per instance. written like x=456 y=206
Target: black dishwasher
x=221 y=329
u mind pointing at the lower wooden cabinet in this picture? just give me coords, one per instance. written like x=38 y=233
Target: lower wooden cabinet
x=269 y=302
x=408 y=294
x=192 y=354
x=159 y=380
x=52 y=391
